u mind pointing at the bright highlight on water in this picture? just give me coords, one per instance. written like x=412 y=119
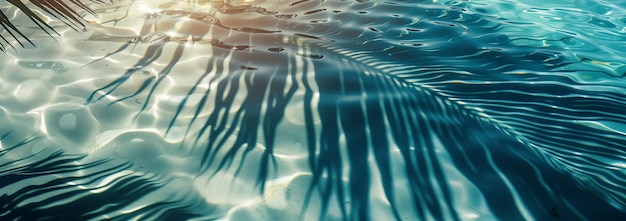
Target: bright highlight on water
x=312 y=110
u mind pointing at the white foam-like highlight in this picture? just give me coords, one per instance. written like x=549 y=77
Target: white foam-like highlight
x=68 y=122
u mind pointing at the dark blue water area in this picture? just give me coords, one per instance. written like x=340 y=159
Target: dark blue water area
x=323 y=110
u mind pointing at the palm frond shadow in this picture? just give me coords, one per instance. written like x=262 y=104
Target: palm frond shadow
x=371 y=113
x=51 y=184
x=417 y=120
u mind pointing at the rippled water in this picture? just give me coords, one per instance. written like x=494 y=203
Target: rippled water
x=314 y=110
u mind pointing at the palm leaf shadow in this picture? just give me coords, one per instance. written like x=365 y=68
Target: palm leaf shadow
x=56 y=185
x=419 y=108
x=415 y=108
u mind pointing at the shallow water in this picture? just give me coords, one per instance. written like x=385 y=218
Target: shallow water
x=317 y=110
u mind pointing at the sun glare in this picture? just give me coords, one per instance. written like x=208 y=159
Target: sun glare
x=148 y=9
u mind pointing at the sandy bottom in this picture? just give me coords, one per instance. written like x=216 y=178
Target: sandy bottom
x=62 y=94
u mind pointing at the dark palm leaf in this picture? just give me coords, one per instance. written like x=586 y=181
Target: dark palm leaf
x=63 y=10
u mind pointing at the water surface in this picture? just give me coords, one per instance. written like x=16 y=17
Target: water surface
x=314 y=110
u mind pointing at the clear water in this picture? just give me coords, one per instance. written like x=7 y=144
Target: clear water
x=316 y=110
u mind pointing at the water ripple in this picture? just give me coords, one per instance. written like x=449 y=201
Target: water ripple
x=334 y=110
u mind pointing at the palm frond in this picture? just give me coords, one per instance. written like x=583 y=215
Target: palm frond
x=63 y=10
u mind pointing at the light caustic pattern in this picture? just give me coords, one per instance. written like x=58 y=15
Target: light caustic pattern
x=312 y=110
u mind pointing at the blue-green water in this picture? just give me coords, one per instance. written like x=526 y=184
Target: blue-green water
x=314 y=110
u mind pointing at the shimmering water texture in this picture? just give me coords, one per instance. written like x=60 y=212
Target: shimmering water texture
x=313 y=110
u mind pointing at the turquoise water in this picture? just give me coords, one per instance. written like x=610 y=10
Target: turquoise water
x=314 y=110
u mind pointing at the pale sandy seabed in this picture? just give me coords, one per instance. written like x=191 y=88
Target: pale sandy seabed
x=60 y=91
